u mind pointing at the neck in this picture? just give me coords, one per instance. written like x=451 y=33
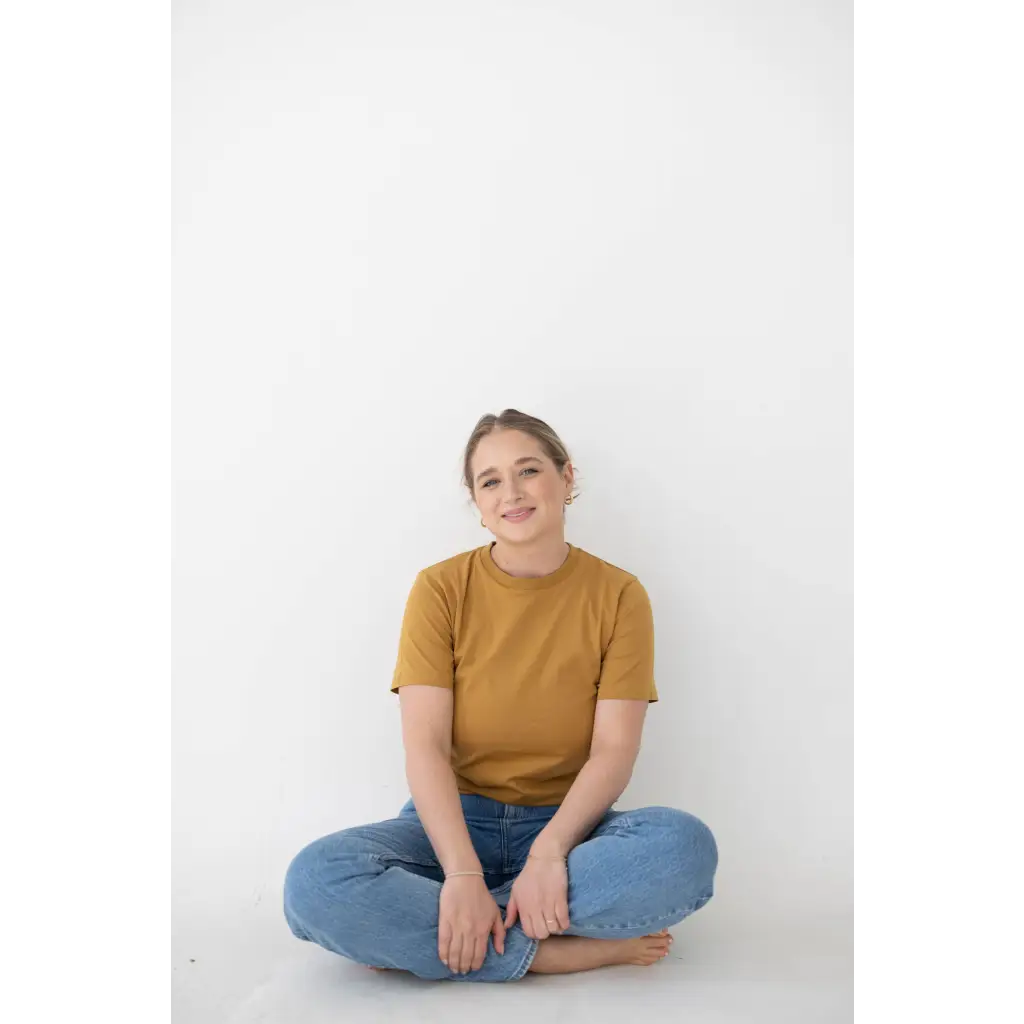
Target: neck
x=538 y=558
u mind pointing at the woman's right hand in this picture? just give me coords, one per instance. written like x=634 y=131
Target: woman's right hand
x=467 y=917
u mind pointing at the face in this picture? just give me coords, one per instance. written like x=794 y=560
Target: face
x=512 y=473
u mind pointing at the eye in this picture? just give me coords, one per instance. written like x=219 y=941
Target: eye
x=530 y=469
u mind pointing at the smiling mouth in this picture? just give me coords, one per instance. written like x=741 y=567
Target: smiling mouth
x=519 y=516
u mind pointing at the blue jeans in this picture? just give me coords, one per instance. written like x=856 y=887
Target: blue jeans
x=371 y=892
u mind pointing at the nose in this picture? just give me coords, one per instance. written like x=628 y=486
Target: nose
x=513 y=495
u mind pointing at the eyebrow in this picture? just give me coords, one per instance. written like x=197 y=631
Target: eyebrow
x=492 y=469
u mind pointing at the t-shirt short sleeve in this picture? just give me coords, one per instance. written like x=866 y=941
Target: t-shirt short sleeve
x=425 y=649
x=627 y=668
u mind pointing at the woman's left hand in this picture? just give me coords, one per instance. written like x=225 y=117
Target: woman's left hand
x=540 y=897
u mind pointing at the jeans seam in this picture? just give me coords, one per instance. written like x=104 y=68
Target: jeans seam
x=382 y=858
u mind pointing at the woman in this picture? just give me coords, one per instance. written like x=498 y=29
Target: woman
x=524 y=672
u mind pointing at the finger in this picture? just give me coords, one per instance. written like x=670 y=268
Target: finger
x=540 y=929
x=551 y=922
x=479 y=953
x=444 y=943
x=498 y=931
x=466 y=956
x=455 y=954
x=510 y=913
x=562 y=913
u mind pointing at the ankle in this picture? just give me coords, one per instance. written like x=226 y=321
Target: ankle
x=565 y=954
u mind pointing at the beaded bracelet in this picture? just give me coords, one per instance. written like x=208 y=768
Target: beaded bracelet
x=453 y=874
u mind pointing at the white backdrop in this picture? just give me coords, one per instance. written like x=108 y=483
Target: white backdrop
x=632 y=220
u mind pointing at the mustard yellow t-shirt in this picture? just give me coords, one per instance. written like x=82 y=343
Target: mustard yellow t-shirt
x=527 y=659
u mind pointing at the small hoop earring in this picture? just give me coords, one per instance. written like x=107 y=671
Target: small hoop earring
x=569 y=500
x=483 y=524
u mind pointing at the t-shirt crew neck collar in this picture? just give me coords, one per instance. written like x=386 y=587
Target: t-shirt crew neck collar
x=528 y=582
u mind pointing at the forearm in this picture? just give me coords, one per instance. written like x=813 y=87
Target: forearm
x=436 y=798
x=598 y=785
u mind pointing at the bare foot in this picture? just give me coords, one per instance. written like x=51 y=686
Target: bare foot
x=565 y=954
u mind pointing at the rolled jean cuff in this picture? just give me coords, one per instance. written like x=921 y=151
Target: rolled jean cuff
x=531 y=952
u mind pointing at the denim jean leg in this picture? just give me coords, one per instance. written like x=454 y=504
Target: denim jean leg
x=640 y=871
x=371 y=893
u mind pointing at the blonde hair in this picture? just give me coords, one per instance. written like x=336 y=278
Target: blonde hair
x=513 y=419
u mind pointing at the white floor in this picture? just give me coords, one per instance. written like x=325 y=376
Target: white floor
x=714 y=974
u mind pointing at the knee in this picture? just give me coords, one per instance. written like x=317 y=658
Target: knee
x=301 y=886
x=314 y=881
x=689 y=843
x=304 y=870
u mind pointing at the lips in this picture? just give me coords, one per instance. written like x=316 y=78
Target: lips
x=518 y=515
